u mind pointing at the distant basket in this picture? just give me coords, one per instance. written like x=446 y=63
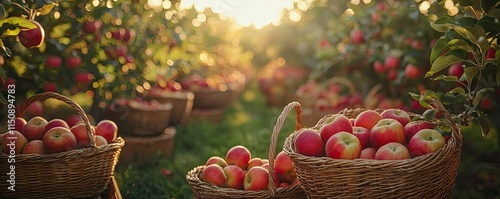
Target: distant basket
x=429 y=176
x=182 y=104
x=205 y=190
x=78 y=173
x=205 y=98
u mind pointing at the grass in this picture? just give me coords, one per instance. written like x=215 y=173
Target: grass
x=249 y=122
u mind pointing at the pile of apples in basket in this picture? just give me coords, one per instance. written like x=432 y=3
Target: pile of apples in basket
x=388 y=135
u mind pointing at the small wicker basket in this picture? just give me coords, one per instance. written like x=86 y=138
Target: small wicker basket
x=429 y=176
x=205 y=190
x=78 y=173
x=207 y=98
x=182 y=104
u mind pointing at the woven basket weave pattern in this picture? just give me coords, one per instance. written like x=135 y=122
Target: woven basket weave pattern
x=203 y=190
x=77 y=173
x=429 y=176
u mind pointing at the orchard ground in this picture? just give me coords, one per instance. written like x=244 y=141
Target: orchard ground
x=249 y=122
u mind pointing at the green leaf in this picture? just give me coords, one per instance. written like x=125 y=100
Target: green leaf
x=484 y=122
x=459 y=44
x=488 y=24
x=487 y=5
x=467 y=21
x=3 y=14
x=479 y=95
x=414 y=96
x=449 y=98
x=458 y=90
x=2 y=74
x=470 y=72
x=465 y=2
x=5 y=49
x=476 y=35
x=16 y=24
x=46 y=8
x=429 y=114
x=444 y=61
x=446 y=78
x=438 y=47
x=2 y=100
x=442 y=24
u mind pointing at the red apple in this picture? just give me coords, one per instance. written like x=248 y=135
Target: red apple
x=413 y=127
x=215 y=175
x=491 y=53
x=391 y=62
x=284 y=184
x=59 y=139
x=91 y=27
x=412 y=71
x=400 y=115
x=363 y=135
x=357 y=36
x=367 y=119
x=235 y=176
x=19 y=123
x=368 y=153
x=238 y=155
x=254 y=162
x=283 y=166
x=32 y=38
x=392 y=74
x=336 y=123
x=35 y=108
x=80 y=132
x=379 y=67
x=34 y=129
x=216 y=160
x=309 y=143
x=425 y=141
x=456 y=70
x=392 y=151
x=73 y=61
x=257 y=178
x=13 y=142
x=73 y=119
x=83 y=77
x=343 y=145
x=34 y=146
x=267 y=166
x=53 y=62
x=50 y=87
x=107 y=129
x=100 y=141
x=385 y=131
x=56 y=123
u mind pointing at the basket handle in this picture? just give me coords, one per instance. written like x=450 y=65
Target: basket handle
x=455 y=130
x=371 y=95
x=344 y=81
x=79 y=110
x=274 y=138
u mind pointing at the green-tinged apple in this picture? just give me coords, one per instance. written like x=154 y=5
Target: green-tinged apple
x=368 y=153
x=13 y=142
x=413 y=127
x=367 y=119
x=107 y=129
x=283 y=166
x=343 y=145
x=100 y=141
x=235 y=176
x=19 y=123
x=425 y=141
x=257 y=178
x=59 y=139
x=214 y=174
x=277 y=181
x=385 y=131
x=216 y=160
x=400 y=115
x=80 y=132
x=363 y=135
x=34 y=129
x=255 y=162
x=336 y=123
x=238 y=155
x=34 y=146
x=392 y=151
x=309 y=143
x=55 y=123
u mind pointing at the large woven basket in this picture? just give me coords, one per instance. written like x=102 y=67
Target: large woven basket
x=205 y=190
x=78 y=173
x=429 y=176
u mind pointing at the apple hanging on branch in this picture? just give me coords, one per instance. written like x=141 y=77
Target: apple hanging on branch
x=469 y=41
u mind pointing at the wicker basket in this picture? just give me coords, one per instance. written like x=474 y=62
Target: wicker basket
x=311 y=113
x=140 y=122
x=77 y=173
x=429 y=176
x=205 y=98
x=205 y=190
x=182 y=104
